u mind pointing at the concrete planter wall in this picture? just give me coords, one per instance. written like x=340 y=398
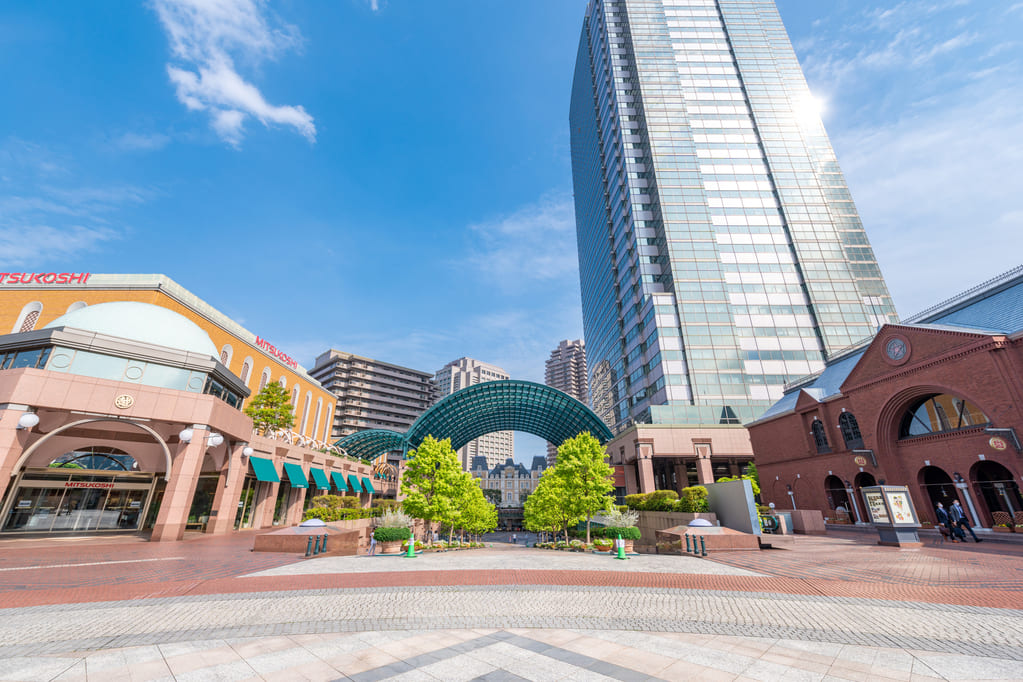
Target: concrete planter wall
x=651 y=522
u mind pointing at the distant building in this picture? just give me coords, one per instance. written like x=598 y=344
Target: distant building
x=515 y=482
x=459 y=374
x=372 y=394
x=566 y=371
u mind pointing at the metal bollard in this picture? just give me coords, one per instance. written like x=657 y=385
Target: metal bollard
x=323 y=547
x=309 y=546
x=703 y=546
x=316 y=547
x=687 y=544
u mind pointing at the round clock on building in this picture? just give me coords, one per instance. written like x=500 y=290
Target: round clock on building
x=896 y=349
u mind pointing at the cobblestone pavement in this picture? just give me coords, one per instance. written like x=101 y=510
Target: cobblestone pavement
x=824 y=608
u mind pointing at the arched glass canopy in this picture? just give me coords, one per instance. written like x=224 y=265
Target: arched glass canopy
x=485 y=408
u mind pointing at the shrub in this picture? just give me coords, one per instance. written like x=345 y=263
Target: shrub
x=620 y=519
x=603 y=544
x=694 y=499
x=635 y=501
x=630 y=533
x=393 y=518
x=391 y=534
x=386 y=504
x=325 y=501
x=328 y=514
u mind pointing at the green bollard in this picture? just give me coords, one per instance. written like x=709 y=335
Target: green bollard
x=323 y=545
x=316 y=547
x=309 y=546
x=703 y=547
x=687 y=543
x=621 y=549
x=411 y=554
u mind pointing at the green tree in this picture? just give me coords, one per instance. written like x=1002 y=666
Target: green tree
x=493 y=495
x=589 y=479
x=271 y=410
x=550 y=507
x=430 y=482
x=477 y=514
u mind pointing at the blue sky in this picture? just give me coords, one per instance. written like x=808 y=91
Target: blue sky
x=392 y=177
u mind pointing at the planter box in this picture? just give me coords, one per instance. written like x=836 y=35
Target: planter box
x=1002 y=529
x=391 y=547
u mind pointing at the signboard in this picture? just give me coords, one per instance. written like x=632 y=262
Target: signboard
x=902 y=510
x=876 y=507
x=44 y=277
x=24 y=503
x=273 y=351
x=998 y=443
x=87 y=484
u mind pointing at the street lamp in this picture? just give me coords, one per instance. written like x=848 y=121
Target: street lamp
x=852 y=496
x=27 y=421
x=792 y=496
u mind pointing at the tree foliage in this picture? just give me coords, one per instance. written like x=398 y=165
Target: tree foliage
x=550 y=508
x=271 y=409
x=430 y=482
x=589 y=479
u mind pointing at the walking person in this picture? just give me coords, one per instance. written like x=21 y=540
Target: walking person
x=943 y=519
x=957 y=515
x=372 y=551
x=515 y=539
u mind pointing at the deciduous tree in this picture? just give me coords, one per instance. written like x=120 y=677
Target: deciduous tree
x=588 y=478
x=271 y=409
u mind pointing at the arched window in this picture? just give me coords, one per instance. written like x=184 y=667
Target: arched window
x=28 y=317
x=225 y=355
x=820 y=438
x=305 y=411
x=850 y=430
x=294 y=397
x=96 y=458
x=264 y=380
x=283 y=381
x=246 y=371
x=328 y=425
x=77 y=305
x=938 y=413
x=319 y=413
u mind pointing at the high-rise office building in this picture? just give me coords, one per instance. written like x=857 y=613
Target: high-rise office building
x=462 y=373
x=372 y=394
x=720 y=253
x=566 y=371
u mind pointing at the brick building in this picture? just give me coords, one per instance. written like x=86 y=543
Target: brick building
x=934 y=403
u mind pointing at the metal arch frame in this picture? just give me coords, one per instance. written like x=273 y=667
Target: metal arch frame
x=510 y=405
x=30 y=450
x=368 y=444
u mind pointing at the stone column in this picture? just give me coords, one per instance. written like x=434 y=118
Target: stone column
x=263 y=514
x=681 y=477
x=229 y=488
x=644 y=458
x=295 y=506
x=177 y=499
x=631 y=486
x=12 y=444
x=704 y=468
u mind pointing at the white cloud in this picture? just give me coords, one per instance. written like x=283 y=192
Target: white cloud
x=141 y=141
x=534 y=244
x=205 y=37
x=49 y=243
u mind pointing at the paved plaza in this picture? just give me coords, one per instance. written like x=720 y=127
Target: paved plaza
x=832 y=608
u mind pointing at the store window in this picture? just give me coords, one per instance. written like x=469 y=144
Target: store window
x=938 y=413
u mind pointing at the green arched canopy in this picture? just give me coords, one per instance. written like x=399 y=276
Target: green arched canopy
x=485 y=408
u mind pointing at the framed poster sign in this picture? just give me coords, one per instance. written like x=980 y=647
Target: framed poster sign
x=902 y=510
x=876 y=506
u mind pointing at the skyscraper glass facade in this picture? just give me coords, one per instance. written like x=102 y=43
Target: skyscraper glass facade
x=720 y=252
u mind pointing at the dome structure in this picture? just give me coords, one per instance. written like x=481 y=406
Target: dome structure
x=140 y=322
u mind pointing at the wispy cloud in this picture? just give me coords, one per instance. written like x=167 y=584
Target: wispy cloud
x=144 y=142
x=46 y=216
x=535 y=243
x=206 y=38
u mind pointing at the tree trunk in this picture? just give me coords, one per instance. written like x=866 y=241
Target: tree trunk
x=587 y=529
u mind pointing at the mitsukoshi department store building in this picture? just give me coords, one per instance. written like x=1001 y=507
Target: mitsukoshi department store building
x=121 y=411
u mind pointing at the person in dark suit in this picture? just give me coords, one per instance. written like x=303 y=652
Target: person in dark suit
x=957 y=515
x=943 y=519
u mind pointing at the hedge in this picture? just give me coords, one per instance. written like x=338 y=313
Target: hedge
x=328 y=514
x=391 y=534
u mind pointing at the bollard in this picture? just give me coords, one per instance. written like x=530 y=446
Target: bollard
x=703 y=546
x=316 y=547
x=309 y=546
x=621 y=548
x=323 y=547
x=687 y=543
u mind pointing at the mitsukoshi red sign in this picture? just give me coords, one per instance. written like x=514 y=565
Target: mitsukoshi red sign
x=44 y=277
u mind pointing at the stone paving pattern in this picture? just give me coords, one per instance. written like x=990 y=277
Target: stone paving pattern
x=824 y=608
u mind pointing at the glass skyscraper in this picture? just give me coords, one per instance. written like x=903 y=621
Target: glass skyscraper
x=720 y=252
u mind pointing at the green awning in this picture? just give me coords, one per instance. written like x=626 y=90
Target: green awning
x=321 y=478
x=264 y=470
x=367 y=485
x=296 y=475
x=353 y=481
x=339 y=481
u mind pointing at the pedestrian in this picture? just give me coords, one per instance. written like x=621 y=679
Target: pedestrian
x=957 y=515
x=372 y=546
x=515 y=539
x=944 y=520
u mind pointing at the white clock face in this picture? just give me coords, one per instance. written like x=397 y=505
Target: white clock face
x=895 y=349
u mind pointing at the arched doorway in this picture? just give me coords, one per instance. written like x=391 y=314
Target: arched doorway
x=996 y=487
x=863 y=480
x=838 y=498
x=937 y=486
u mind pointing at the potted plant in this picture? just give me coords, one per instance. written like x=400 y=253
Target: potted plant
x=603 y=544
x=622 y=524
x=392 y=529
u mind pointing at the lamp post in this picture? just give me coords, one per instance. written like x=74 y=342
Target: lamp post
x=792 y=496
x=851 y=494
x=965 y=488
